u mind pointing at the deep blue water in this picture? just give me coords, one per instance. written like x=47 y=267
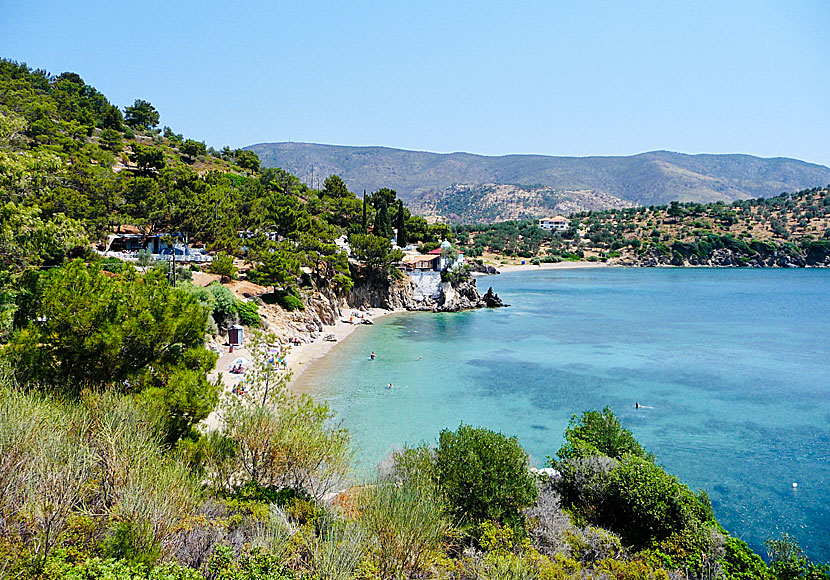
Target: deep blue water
x=733 y=367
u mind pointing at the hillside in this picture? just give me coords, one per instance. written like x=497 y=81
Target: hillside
x=784 y=230
x=647 y=179
x=490 y=202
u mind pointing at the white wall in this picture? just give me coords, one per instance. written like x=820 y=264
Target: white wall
x=427 y=284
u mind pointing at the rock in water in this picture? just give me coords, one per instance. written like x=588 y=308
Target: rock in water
x=492 y=300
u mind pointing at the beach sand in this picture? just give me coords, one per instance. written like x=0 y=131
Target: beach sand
x=299 y=358
x=303 y=356
x=505 y=268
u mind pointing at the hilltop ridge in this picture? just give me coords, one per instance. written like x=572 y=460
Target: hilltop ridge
x=432 y=181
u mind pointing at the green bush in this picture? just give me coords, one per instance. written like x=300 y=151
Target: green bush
x=288 y=299
x=484 y=476
x=741 y=563
x=247 y=312
x=406 y=522
x=222 y=264
x=598 y=433
x=644 y=504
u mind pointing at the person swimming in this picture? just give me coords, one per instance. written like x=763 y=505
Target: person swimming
x=390 y=386
x=372 y=356
x=636 y=405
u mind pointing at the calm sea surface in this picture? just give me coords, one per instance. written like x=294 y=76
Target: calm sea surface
x=732 y=368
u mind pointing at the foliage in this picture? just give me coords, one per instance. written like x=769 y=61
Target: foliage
x=131 y=333
x=598 y=433
x=222 y=264
x=644 y=504
x=102 y=455
x=406 y=522
x=193 y=149
x=400 y=225
x=141 y=115
x=375 y=252
x=288 y=298
x=741 y=563
x=484 y=476
x=788 y=562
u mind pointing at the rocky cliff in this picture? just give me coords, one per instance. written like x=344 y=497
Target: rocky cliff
x=457 y=294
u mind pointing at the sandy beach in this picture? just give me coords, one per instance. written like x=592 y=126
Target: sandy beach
x=301 y=357
x=504 y=268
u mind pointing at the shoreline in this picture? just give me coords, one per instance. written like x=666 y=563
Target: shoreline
x=305 y=356
x=507 y=268
x=302 y=357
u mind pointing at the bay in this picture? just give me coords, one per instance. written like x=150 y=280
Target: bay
x=731 y=368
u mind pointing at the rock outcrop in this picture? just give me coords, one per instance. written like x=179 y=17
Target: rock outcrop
x=458 y=294
x=377 y=292
x=482 y=268
x=492 y=300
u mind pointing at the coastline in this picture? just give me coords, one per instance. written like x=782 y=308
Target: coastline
x=305 y=356
x=302 y=357
x=504 y=269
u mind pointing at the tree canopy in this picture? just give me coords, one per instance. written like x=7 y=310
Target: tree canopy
x=141 y=115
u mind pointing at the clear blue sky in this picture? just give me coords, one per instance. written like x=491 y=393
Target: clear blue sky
x=558 y=78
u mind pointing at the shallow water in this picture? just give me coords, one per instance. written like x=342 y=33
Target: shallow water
x=732 y=366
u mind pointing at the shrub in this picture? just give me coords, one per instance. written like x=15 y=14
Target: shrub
x=598 y=433
x=222 y=264
x=406 y=522
x=645 y=504
x=288 y=299
x=247 y=312
x=741 y=563
x=484 y=475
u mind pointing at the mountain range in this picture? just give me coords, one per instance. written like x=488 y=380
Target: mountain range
x=467 y=188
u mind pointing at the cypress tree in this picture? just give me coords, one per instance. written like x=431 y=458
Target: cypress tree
x=365 y=223
x=383 y=225
x=401 y=223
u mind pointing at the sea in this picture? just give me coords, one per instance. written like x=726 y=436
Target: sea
x=730 y=368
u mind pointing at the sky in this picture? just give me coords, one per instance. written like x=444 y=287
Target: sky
x=494 y=78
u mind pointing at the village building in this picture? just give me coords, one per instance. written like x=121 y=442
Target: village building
x=558 y=223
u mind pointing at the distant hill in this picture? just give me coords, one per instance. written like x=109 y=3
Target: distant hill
x=655 y=178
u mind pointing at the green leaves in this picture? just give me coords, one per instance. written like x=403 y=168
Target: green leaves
x=484 y=475
x=141 y=115
x=128 y=333
x=598 y=433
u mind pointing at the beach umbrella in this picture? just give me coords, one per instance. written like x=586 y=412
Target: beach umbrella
x=239 y=361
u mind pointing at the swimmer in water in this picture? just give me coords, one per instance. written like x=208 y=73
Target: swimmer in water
x=372 y=356
x=636 y=405
x=420 y=357
x=390 y=386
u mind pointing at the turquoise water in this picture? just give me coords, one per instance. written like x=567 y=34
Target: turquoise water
x=733 y=367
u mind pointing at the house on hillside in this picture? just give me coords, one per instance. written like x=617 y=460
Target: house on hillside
x=435 y=260
x=420 y=263
x=557 y=223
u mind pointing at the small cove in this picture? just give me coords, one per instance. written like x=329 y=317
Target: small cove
x=732 y=365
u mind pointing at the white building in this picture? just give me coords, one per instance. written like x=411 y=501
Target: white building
x=557 y=223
